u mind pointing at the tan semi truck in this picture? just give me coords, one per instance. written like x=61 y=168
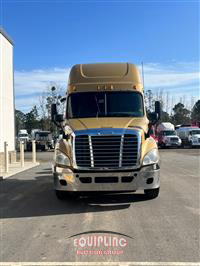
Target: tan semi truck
x=106 y=146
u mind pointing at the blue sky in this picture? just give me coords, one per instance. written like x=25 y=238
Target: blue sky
x=51 y=36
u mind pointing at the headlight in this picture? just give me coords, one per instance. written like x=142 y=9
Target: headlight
x=62 y=159
x=151 y=157
x=166 y=139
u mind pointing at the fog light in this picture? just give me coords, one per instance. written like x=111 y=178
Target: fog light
x=149 y=180
x=63 y=182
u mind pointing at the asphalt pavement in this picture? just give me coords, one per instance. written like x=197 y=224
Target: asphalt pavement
x=37 y=227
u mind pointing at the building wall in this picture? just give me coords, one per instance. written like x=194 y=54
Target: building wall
x=7 y=121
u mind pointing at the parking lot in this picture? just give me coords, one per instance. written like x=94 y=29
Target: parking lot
x=38 y=227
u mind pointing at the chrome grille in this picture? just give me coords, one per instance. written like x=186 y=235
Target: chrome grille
x=107 y=151
x=174 y=139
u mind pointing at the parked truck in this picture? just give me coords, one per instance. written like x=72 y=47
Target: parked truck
x=43 y=140
x=189 y=136
x=106 y=145
x=167 y=136
x=23 y=136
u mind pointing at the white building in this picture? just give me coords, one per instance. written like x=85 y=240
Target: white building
x=7 y=118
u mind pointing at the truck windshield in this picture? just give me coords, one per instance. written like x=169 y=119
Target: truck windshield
x=105 y=104
x=43 y=136
x=152 y=132
x=23 y=135
x=195 y=132
x=169 y=133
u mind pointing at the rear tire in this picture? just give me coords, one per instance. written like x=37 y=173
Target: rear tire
x=152 y=193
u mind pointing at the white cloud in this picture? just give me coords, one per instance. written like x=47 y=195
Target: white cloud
x=176 y=78
x=36 y=81
x=25 y=104
x=170 y=76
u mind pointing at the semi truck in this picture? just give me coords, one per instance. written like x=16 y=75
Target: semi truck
x=106 y=144
x=43 y=140
x=167 y=136
x=189 y=136
x=22 y=137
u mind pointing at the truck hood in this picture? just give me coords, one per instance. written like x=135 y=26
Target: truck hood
x=108 y=122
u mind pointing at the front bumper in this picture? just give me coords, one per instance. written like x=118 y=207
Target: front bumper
x=173 y=144
x=195 y=143
x=147 y=177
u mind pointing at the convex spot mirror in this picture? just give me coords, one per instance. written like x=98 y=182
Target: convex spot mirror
x=158 y=109
x=53 y=112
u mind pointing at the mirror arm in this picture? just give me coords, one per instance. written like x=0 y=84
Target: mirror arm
x=57 y=124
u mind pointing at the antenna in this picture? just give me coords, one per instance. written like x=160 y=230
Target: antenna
x=142 y=74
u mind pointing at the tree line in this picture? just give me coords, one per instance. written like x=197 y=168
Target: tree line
x=178 y=114
x=40 y=115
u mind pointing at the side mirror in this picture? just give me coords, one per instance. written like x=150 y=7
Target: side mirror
x=54 y=112
x=158 y=109
x=55 y=117
x=153 y=117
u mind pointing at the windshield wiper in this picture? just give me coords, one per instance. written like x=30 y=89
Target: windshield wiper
x=98 y=109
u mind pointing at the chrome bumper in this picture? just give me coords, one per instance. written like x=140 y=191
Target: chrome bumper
x=172 y=144
x=195 y=143
x=147 y=177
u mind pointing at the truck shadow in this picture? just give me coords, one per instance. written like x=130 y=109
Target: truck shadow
x=22 y=196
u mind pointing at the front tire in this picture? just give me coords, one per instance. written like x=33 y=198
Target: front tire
x=162 y=145
x=152 y=193
x=61 y=195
